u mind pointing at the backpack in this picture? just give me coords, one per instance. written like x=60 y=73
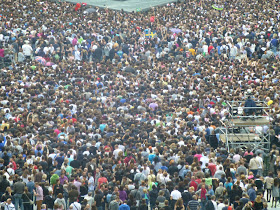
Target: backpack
x=108 y=197
x=166 y=194
x=228 y=50
x=212 y=51
x=65 y=193
x=49 y=201
x=228 y=188
x=137 y=178
x=59 y=202
x=131 y=175
x=209 y=205
x=114 y=205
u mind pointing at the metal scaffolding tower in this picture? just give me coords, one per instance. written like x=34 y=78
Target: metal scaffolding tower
x=249 y=131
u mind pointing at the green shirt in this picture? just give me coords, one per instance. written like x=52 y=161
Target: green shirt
x=69 y=171
x=208 y=181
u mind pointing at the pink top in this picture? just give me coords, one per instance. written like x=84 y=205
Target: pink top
x=2 y=53
x=198 y=156
x=40 y=195
x=57 y=131
x=246 y=153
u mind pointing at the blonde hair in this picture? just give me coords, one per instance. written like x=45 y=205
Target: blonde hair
x=258 y=199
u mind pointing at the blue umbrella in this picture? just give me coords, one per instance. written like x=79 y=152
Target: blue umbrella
x=123 y=100
x=176 y=30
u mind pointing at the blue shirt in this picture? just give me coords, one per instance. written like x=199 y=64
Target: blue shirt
x=102 y=127
x=228 y=186
x=124 y=207
x=151 y=157
x=2 y=144
x=30 y=186
x=207 y=130
x=219 y=50
x=252 y=194
x=211 y=192
x=274 y=42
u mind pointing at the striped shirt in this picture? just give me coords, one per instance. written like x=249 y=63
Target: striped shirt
x=193 y=204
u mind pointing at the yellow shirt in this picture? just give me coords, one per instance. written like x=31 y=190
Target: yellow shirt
x=5 y=125
x=192 y=51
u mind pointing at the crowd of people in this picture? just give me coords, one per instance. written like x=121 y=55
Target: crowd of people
x=122 y=115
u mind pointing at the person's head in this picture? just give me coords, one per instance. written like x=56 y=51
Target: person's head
x=194 y=197
x=259 y=198
x=191 y=189
x=9 y=200
x=60 y=195
x=179 y=202
x=226 y=201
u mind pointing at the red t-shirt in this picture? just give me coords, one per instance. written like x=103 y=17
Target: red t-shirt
x=193 y=184
x=210 y=48
x=102 y=180
x=198 y=181
x=212 y=168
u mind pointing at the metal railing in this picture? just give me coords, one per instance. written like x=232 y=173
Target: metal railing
x=232 y=134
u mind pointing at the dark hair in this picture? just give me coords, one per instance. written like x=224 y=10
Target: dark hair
x=60 y=195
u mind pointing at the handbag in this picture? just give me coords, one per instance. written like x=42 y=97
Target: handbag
x=31 y=202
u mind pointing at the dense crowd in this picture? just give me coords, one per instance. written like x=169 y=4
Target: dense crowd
x=113 y=110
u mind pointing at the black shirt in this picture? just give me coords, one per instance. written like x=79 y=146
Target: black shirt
x=44 y=165
x=98 y=199
x=259 y=184
x=57 y=189
x=3 y=185
x=186 y=196
x=189 y=159
x=143 y=207
x=167 y=208
x=75 y=164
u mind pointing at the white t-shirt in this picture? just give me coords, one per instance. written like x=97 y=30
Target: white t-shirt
x=76 y=206
x=27 y=49
x=91 y=183
x=215 y=205
x=176 y=194
x=116 y=153
x=260 y=161
x=77 y=55
x=221 y=206
x=204 y=160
